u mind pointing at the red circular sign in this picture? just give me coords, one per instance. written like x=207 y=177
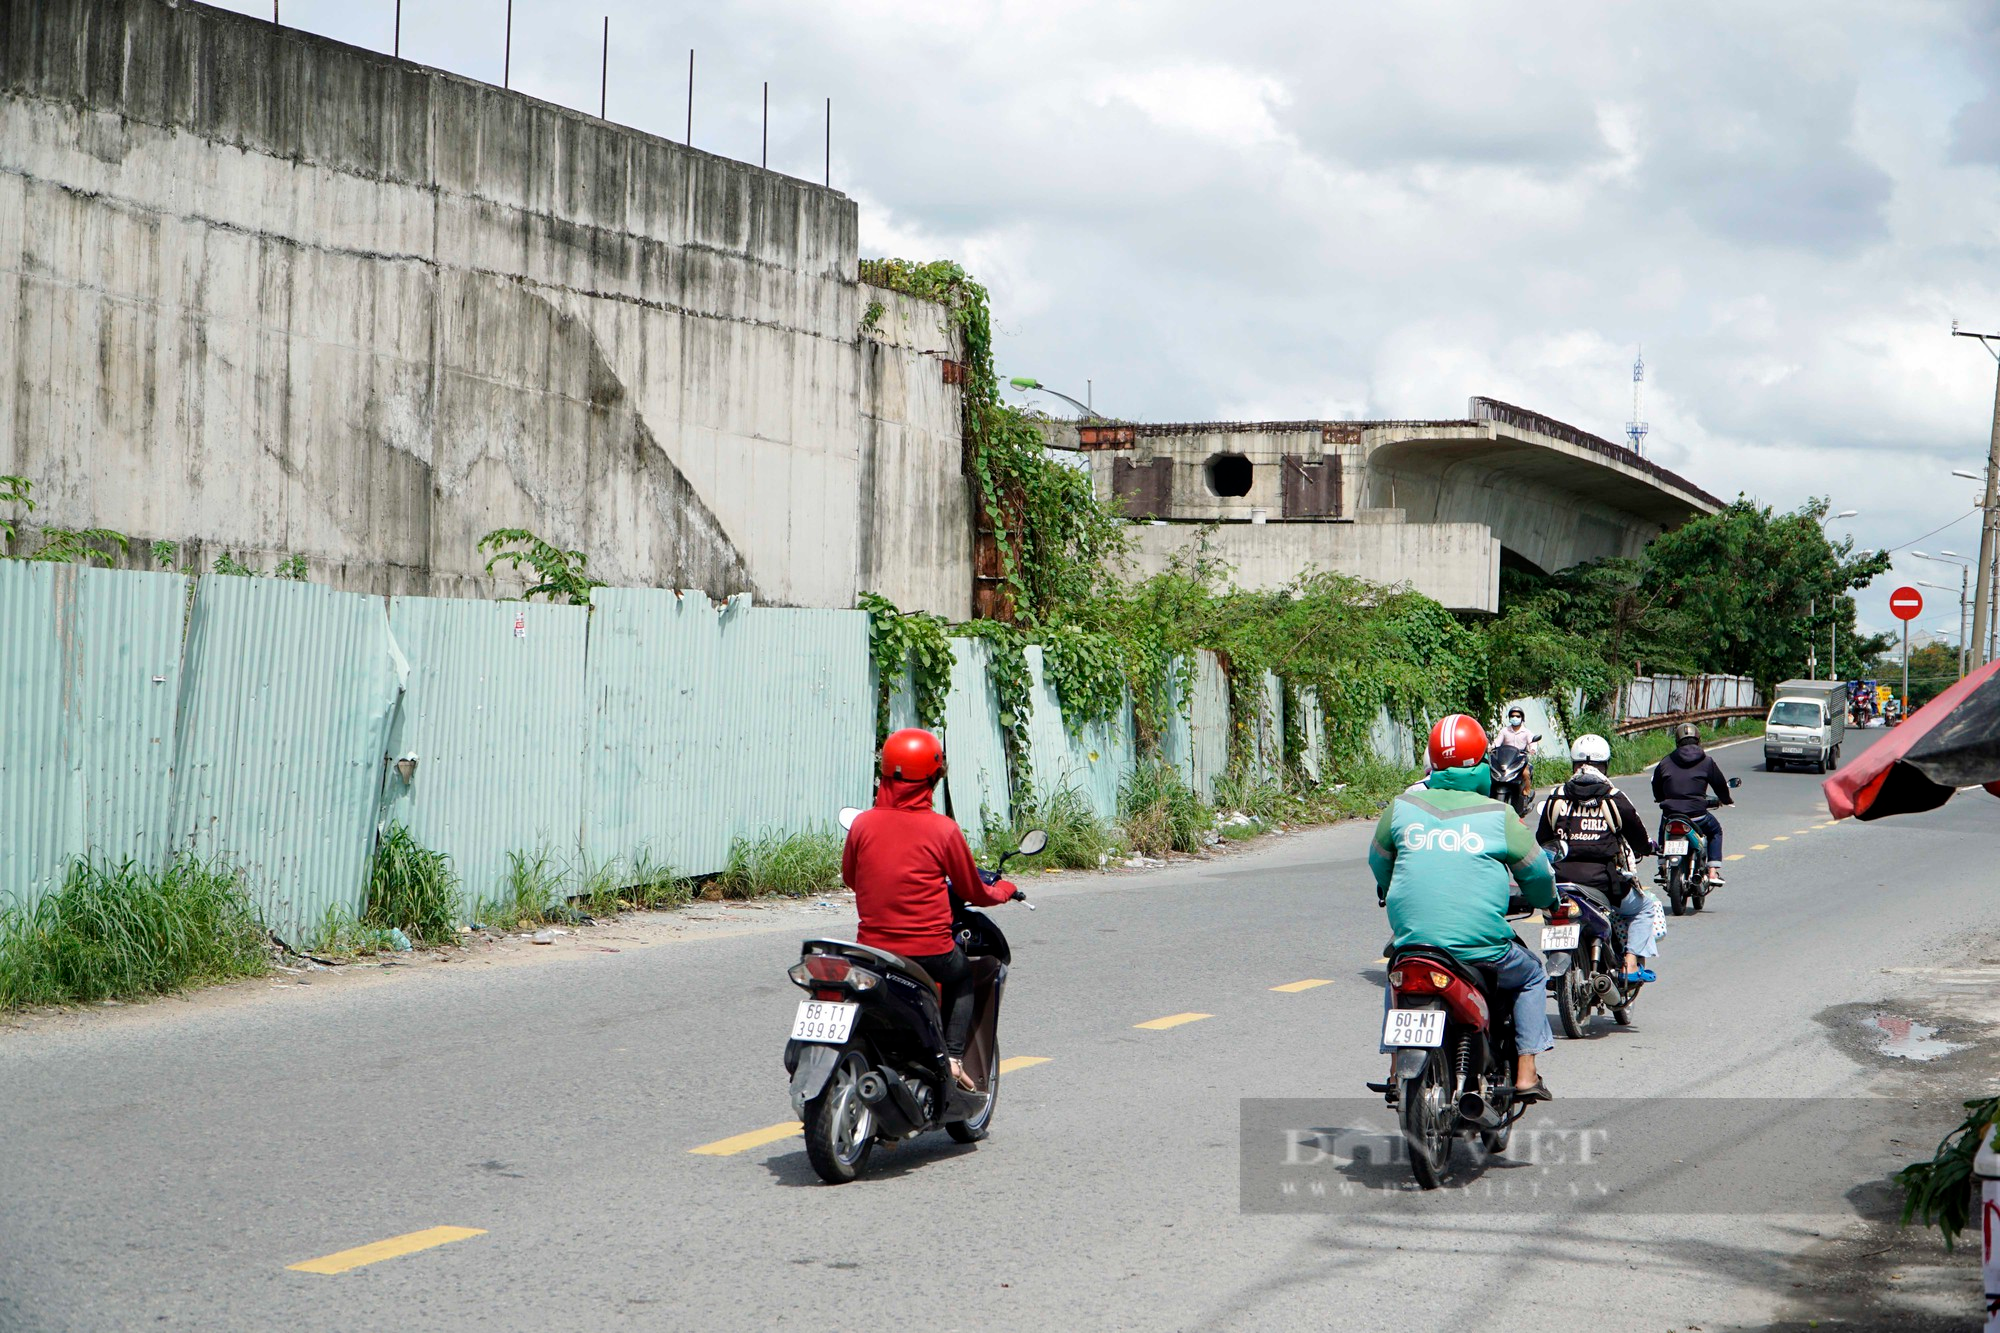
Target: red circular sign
x=1906 y=603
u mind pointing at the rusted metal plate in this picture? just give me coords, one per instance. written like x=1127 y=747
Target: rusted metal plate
x=1309 y=487
x=1143 y=489
x=1106 y=437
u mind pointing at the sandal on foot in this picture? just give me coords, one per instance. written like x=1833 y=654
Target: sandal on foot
x=963 y=1079
x=1538 y=1092
x=1644 y=974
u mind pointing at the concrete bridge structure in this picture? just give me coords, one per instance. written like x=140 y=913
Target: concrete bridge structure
x=1437 y=505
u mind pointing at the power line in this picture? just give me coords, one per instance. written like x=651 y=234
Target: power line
x=1935 y=531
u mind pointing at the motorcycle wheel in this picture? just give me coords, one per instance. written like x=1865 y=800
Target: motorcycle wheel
x=973 y=1130
x=839 y=1126
x=1571 y=1006
x=1622 y=1016
x=1424 y=1107
x=1698 y=893
x=1677 y=890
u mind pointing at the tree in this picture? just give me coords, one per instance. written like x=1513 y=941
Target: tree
x=1760 y=590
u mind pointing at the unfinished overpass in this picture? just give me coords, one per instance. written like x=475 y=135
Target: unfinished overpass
x=1437 y=505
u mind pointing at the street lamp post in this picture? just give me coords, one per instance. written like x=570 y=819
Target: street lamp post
x=1832 y=626
x=1025 y=383
x=1964 y=600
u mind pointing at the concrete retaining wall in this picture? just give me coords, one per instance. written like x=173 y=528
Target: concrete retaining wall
x=268 y=294
x=1458 y=564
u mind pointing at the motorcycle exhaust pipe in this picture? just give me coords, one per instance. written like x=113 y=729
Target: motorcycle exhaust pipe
x=1474 y=1108
x=871 y=1087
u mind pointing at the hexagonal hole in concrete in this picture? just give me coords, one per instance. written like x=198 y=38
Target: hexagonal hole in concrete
x=1228 y=474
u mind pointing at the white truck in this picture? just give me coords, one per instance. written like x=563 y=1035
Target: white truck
x=1807 y=721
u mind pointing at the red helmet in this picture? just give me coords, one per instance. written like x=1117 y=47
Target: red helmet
x=1457 y=741
x=913 y=755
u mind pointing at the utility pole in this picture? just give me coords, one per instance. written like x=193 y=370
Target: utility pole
x=1989 y=506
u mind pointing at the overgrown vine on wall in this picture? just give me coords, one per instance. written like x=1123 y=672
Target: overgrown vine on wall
x=1013 y=694
x=912 y=641
x=1053 y=533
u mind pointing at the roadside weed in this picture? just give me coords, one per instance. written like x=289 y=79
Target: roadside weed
x=791 y=865
x=413 y=889
x=115 y=931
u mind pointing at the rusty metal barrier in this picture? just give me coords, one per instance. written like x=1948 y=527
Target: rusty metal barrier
x=1661 y=721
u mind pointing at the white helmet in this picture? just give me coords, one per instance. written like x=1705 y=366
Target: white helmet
x=1590 y=748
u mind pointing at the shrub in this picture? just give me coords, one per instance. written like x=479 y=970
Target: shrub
x=529 y=891
x=792 y=865
x=412 y=889
x=1161 y=812
x=116 y=931
x=1078 y=839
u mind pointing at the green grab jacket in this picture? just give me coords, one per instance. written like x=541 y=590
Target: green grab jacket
x=1446 y=856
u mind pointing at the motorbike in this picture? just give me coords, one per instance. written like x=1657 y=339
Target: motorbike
x=1513 y=779
x=867 y=1055
x=1452 y=1030
x=1684 y=861
x=1583 y=951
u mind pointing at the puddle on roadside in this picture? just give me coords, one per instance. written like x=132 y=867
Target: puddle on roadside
x=1906 y=1039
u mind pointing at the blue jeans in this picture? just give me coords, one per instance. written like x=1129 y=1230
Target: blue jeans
x=1705 y=824
x=1519 y=972
x=1637 y=910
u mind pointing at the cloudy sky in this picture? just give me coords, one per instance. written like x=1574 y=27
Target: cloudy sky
x=1288 y=210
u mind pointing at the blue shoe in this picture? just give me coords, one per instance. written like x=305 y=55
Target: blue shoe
x=1644 y=974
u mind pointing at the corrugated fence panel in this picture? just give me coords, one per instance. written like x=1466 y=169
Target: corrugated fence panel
x=1196 y=737
x=90 y=674
x=796 y=717
x=497 y=720
x=976 y=772
x=284 y=715
x=653 y=785
x=1312 y=728
x=1270 y=727
x=1094 y=763
x=709 y=724
x=1393 y=740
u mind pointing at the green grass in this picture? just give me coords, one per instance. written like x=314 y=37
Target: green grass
x=529 y=891
x=1161 y=813
x=412 y=889
x=340 y=934
x=789 y=865
x=1078 y=839
x=113 y=932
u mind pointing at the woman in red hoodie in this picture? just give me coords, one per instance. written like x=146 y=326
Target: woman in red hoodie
x=904 y=861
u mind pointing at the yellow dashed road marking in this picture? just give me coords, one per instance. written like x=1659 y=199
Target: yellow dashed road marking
x=1734 y=856
x=1171 y=1021
x=756 y=1138
x=1781 y=838
x=1761 y=847
x=1294 y=987
x=1014 y=1062
x=394 y=1247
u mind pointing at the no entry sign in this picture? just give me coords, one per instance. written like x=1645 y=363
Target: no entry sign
x=1906 y=603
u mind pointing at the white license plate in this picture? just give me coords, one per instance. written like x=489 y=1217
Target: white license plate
x=1674 y=847
x=1793 y=749
x=823 y=1020
x=1559 y=937
x=1414 y=1027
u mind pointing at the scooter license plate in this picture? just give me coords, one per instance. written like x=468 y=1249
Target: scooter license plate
x=1674 y=847
x=822 y=1020
x=1559 y=937
x=1414 y=1027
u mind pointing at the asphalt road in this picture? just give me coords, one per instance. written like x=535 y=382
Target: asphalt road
x=167 y=1174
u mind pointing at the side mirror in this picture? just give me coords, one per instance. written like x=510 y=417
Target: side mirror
x=1537 y=736
x=1558 y=850
x=1033 y=841
x=1736 y=782
x=848 y=814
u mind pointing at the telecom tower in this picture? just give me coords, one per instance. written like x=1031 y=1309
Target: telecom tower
x=1635 y=429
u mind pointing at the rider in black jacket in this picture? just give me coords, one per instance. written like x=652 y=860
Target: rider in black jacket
x=1681 y=783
